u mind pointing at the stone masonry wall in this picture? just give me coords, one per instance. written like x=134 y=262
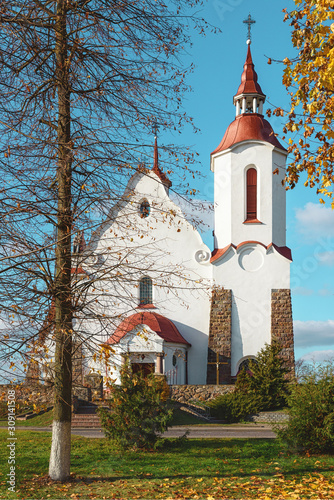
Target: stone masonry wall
x=185 y=393
x=282 y=325
x=219 y=351
x=270 y=417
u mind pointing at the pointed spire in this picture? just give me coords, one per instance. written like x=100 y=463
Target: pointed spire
x=249 y=83
x=156 y=169
x=249 y=97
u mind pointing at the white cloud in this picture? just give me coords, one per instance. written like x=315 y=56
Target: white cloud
x=302 y=290
x=325 y=291
x=318 y=356
x=326 y=258
x=314 y=333
x=307 y=292
x=314 y=220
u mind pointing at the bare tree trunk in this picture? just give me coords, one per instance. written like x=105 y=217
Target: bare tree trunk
x=100 y=74
x=59 y=468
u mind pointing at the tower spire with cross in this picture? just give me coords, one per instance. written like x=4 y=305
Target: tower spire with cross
x=249 y=21
x=249 y=97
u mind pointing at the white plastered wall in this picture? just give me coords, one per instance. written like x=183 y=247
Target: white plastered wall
x=251 y=272
x=230 y=168
x=164 y=246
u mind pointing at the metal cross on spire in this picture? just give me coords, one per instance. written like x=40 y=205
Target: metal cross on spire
x=249 y=21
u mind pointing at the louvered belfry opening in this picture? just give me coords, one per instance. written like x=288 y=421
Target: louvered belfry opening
x=251 y=194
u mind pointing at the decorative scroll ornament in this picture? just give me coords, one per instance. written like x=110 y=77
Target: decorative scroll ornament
x=201 y=256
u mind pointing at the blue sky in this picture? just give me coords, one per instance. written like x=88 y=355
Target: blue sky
x=219 y=60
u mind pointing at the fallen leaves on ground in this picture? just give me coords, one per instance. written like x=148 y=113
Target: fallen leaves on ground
x=277 y=487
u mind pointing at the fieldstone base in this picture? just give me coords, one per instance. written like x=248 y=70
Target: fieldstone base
x=282 y=325
x=219 y=347
x=186 y=393
x=272 y=417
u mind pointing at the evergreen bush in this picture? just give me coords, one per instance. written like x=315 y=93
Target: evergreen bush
x=138 y=411
x=262 y=387
x=311 y=410
x=235 y=406
x=267 y=383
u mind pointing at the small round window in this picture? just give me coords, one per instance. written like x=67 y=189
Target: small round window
x=145 y=208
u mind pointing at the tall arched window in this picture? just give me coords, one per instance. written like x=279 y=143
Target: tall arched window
x=251 y=194
x=145 y=291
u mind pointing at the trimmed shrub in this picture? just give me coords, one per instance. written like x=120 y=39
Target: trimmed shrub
x=311 y=409
x=232 y=407
x=138 y=411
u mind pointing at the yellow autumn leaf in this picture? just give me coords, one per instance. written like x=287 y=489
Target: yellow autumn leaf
x=309 y=79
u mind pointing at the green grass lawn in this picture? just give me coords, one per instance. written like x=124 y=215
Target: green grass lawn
x=210 y=469
x=39 y=421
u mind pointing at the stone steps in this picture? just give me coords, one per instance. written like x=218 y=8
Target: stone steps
x=86 y=416
x=86 y=421
x=202 y=412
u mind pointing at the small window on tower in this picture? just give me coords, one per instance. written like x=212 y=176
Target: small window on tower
x=145 y=291
x=145 y=208
x=251 y=195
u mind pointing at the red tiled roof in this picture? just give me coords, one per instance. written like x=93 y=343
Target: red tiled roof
x=285 y=251
x=245 y=127
x=249 y=83
x=251 y=242
x=219 y=252
x=156 y=169
x=164 y=327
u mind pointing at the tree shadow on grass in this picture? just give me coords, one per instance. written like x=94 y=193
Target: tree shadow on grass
x=212 y=458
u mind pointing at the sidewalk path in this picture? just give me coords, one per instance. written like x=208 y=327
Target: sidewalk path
x=201 y=431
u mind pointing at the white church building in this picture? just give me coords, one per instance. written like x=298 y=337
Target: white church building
x=175 y=307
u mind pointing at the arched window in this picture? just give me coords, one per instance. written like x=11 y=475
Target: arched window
x=145 y=208
x=244 y=365
x=145 y=291
x=251 y=194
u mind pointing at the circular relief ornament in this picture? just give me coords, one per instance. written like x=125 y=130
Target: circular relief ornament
x=251 y=259
x=201 y=256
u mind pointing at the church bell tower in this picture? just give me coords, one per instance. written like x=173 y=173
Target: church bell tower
x=251 y=303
